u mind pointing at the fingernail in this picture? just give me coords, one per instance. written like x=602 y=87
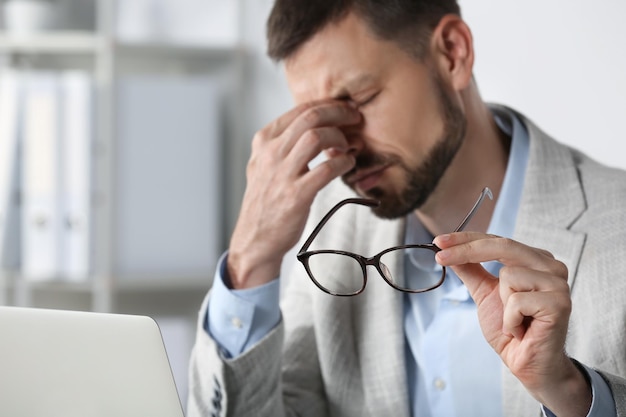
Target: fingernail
x=442 y=238
x=443 y=255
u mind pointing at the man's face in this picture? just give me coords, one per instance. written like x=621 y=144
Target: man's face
x=411 y=128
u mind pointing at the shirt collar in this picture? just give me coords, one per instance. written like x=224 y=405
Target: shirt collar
x=505 y=213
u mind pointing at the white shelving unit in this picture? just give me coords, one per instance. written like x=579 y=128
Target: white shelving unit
x=107 y=57
x=57 y=43
x=173 y=300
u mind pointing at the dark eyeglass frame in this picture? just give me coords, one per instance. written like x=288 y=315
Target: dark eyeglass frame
x=304 y=254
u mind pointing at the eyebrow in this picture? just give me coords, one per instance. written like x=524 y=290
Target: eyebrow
x=340 y=92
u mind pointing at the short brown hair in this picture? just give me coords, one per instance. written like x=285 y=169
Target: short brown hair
x=408 y=22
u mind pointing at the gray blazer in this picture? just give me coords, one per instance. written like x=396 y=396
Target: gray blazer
x=333 y=356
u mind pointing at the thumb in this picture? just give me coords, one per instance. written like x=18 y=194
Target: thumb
x=478 y=281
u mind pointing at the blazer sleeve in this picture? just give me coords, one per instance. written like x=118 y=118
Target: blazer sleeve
x=279 y=376
x=618 y=388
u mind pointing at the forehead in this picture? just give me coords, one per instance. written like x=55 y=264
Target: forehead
x=340 y=58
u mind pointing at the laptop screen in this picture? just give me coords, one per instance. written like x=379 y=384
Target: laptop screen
x=76 y=364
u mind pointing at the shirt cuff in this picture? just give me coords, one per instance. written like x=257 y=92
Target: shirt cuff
x=602 y=403
x=238 y=319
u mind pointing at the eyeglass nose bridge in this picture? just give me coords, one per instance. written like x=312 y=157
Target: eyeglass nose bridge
x=384 y=272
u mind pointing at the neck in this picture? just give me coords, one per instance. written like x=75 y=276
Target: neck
x=481 y=162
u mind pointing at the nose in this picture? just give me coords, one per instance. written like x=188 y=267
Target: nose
x=354 y=136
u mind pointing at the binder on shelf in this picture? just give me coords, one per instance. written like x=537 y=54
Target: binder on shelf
x=42 y=216
x=10 y=94
x=56 y=176
x=76 y=179
x=167 y=178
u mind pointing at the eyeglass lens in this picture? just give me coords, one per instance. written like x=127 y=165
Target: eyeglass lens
x=347 y=276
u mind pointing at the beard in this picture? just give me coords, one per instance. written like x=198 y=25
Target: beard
x=421 y=180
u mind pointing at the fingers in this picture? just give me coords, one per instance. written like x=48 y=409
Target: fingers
x=314 y=141
x=524 y=268
x=519 y=279
x=291 y=142
x=544 y=306
x=292 y=125
x=532 y=284
x=480 y=283
x=337 y=163
x=278 y=126
x=474 y=247
x=325 y=172
x=530 y=293
x=327 y=114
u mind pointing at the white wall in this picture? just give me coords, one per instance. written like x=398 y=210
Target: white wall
x=269 y=96
x=562 y=62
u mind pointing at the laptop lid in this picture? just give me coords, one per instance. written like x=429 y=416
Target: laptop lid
x=57 y=363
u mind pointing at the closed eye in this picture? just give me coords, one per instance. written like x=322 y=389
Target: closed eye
x=368 y=100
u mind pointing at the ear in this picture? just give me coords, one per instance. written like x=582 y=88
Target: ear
x=453 y=51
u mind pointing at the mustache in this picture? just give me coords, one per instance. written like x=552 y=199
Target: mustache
x=369 y=160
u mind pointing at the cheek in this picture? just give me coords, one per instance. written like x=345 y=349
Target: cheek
x=383 y=127
x=401 y=130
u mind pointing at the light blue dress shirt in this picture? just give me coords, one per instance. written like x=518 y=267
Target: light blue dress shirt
x=441 y=326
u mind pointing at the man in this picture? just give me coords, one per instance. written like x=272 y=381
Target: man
x=386 y=90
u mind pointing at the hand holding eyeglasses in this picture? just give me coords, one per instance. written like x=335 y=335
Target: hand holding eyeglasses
x=347 y=275
x=524 y=314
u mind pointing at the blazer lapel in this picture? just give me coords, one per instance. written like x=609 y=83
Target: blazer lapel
x=380 y=334
x=552 y=201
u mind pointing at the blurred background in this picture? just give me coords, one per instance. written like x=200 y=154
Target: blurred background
x=125 y=129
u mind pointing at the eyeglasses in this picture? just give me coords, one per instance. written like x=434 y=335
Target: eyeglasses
x=343 y=273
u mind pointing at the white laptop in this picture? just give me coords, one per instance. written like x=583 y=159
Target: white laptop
x=57 y=363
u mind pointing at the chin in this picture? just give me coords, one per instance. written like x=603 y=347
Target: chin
x=391 y=205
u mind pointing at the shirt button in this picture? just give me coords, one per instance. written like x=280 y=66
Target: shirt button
x=236 y=322
x=439 y=384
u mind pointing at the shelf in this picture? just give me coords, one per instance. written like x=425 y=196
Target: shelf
x=55 y=286
x=166 y=48
x=159 y=284
x=89 y=43
x=122 y=285
x=51 y=43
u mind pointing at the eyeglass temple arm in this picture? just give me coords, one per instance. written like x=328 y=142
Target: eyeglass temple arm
x=485 y=193
x=362 y=201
